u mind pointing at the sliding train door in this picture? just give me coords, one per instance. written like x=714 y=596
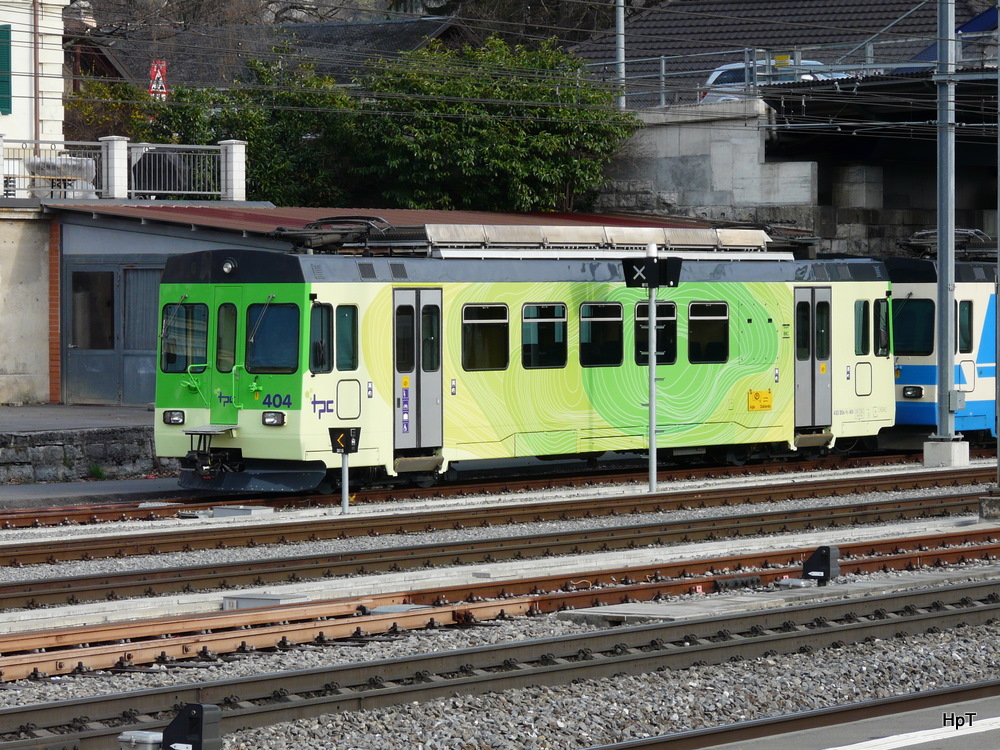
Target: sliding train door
x=417 y=390
x=813 y=368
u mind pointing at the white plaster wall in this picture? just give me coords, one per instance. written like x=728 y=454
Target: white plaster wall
x=24 y=308
x=19 y=125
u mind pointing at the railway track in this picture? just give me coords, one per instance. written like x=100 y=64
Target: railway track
x=340 y=527
x=731 y=734
x=296 y=569
x=13 y=518
x=92 y=723
x=164 y=640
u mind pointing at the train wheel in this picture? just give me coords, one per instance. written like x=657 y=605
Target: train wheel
x=425 y=480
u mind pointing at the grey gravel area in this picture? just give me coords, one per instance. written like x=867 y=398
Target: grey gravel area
x=596 y=712
x=591 y=712
x=573 y=716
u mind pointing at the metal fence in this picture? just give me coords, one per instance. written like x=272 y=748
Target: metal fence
x=158 y=171
x=80 y=171
x=681 y=79
x=40 y=169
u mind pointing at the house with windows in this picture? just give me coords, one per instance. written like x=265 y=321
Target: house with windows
x=31 y=64
x=53 y=307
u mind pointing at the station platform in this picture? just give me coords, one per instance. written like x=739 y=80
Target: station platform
x=59 y=454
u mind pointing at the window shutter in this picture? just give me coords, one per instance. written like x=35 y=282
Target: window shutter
x=6 y=98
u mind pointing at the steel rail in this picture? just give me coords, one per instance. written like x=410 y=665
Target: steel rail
x=159 y=542
x=744 y=731
x=88 y=724
x=11 y=518
x=165 y=639
x=295 y=569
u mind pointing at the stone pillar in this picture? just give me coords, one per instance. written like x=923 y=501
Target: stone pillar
x=234 y=170
x=115 y=167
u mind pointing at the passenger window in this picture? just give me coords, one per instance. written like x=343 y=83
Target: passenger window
x=184 y=338
x=485 y=337
x=666 y=333
x=964 y=321
x=708 y=332
x=347 y=337
x=803 y=332
x=601 y=342
x=430 y=338
x=321 y=338
x=822 y=330
x=543 y=336
x=272 y=338
x=225 y=338
x=880 y=328
x=913 y=327
x=406 y=351
x=862 y=327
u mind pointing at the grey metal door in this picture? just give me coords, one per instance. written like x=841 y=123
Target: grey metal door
x=813 y=370
x=417 y=391
x=92 y=363
x=140 y=293
x=110 y=334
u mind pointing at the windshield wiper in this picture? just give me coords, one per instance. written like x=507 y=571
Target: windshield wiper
x=173 y=314
x=260 y=318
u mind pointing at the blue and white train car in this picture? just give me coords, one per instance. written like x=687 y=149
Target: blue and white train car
x=914 y=315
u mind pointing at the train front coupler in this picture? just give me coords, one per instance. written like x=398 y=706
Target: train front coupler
x=209 y=464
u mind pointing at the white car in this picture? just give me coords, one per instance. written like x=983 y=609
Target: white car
x=729 y=82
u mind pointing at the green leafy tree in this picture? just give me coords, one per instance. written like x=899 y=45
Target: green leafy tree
x=103 y=107
x=495 y=127
x=291 y=121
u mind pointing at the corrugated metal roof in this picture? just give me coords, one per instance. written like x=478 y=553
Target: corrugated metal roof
x=260 y=220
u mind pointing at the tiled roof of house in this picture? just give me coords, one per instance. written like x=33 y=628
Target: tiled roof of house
x=698 y=35
x=216 y=57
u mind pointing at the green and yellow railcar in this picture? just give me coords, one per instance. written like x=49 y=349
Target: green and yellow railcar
x=447 y=347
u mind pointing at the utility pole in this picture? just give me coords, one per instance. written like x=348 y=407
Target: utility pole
x=945 y=447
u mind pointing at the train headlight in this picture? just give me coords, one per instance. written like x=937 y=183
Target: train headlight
x=173 y=416
x=913 y=391
x=229 y=265
x=273 y=418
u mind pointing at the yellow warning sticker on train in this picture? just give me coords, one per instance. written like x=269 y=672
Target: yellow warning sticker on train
x=822 y=368
x=406 y=381
x=759 y=401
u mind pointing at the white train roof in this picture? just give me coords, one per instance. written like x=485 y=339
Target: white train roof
x=368 y=235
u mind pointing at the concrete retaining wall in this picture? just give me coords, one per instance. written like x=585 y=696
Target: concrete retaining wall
x=100 y=453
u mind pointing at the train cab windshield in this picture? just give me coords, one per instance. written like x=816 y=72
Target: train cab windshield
x=185 y=338
x=273 y=343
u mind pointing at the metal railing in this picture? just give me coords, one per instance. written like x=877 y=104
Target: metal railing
x=48 y=169
x=681 y=79
x=157 y=170
x=116 y=169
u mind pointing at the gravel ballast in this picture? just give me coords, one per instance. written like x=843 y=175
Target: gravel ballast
x=581 y=715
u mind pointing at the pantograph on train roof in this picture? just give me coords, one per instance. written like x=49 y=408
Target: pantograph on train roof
x=368 y=235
